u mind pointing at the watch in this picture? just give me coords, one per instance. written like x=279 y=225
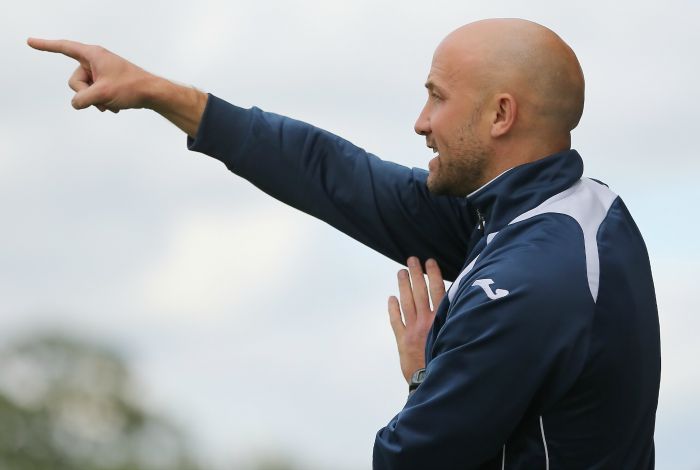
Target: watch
x=416 y=379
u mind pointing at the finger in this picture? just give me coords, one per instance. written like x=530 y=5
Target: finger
x=395 y=318
x=80 y=79
x=92 y=95
x=73 y=49
x=436 y=282
x=406 y=296
x=420 y=290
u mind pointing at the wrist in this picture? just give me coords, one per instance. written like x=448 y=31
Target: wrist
x=410 y=363
x=183 y=105
x=159 y=94
x=416 y=379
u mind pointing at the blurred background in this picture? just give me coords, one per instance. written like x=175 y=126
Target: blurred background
x=158 y=312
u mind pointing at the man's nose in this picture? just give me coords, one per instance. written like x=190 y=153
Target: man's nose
x=422 y=125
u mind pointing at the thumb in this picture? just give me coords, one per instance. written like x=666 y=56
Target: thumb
x=88 y=96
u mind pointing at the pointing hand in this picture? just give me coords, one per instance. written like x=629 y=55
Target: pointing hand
x=103 y=79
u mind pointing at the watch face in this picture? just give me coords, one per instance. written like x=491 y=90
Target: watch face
x=418 y=376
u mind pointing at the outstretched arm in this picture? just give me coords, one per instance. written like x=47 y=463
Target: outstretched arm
x=384 y=205
x=381 y=204
x=109 y=82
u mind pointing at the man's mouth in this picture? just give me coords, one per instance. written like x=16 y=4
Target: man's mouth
x=433 y=161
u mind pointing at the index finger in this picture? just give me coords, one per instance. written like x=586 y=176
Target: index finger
x=73 y=49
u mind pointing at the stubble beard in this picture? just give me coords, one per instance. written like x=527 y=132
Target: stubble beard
x=462 y=171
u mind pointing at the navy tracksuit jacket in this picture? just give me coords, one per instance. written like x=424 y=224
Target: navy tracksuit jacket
x=545 y=351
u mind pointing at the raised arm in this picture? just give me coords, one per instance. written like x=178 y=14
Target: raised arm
x=386 y=206
x=381 y=204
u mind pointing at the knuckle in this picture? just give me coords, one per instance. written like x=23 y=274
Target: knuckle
x=104 y=92
x=93 y=50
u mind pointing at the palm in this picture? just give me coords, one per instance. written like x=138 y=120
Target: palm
x=411 y=329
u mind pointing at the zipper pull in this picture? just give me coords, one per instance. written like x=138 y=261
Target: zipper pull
x=482 y=222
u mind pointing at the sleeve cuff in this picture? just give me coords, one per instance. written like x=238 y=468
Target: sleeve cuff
x=223 y=131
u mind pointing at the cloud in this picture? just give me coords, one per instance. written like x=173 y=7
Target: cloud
x=214 y=263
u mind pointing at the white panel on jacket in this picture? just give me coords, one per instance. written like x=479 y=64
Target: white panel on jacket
x=587 y=202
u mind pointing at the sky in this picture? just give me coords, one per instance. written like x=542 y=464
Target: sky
x=260 y=329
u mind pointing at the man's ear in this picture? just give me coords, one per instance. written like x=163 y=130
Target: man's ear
x=505 y=115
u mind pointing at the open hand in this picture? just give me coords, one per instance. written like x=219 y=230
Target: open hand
x=411 y=332
x=102 y=79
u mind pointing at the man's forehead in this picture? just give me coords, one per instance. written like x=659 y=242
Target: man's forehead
x=445 y=72
x=452 y=61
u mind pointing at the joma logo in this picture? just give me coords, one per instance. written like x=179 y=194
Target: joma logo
x=486 y=285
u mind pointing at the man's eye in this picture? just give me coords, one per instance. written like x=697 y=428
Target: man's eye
x=435 y=96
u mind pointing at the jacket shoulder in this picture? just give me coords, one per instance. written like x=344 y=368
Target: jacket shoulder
x=562 y=232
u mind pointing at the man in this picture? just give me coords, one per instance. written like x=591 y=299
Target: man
x=545 y=350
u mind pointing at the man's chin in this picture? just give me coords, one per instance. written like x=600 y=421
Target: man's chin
x=440 y=187
x=436 y=186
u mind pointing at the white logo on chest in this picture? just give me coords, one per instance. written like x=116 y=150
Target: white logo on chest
x=486 y=285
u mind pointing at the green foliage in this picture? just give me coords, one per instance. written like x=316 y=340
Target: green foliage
x=69 y=405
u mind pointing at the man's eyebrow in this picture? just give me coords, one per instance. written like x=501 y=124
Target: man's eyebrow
x=431 y=86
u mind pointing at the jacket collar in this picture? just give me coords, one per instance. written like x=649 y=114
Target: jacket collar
x=524 y=187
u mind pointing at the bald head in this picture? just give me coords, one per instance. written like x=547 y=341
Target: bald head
x=526 y=60
x=502 y=93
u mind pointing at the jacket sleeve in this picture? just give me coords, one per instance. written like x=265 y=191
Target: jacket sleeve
x=384 y=205
x=494 y=361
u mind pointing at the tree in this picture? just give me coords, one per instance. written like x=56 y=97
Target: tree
x=70 y=405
